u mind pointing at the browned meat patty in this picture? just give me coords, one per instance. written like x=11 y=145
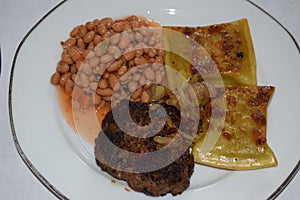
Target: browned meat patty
x=137 y=171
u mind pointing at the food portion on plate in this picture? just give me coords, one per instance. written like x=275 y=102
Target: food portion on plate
x=105 y=62
x=143 y=173
x=229 y=46
x=243 y=142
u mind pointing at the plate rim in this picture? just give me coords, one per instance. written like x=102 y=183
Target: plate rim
x=36 y=172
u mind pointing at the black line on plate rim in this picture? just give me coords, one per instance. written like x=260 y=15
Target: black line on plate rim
x=293 y=173
x=275 y=194
x=279 y=23
x=37 y=174
x=43 y=180
x=0 y=61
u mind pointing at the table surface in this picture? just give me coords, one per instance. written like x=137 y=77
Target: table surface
x=16 y=18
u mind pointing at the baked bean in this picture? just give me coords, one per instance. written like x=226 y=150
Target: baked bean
x=97 y=99
x=73 y=69
x=79 y=65
x=140 y=61
x=71 y=51
x=69 y=86
x=136 y=77
x=152 y=53
x=62 y=68
x=74 y=77
x=105 y=75
x=77 y=92
x=147 y=85
x=96 y=70
x=145 y=97
x=102 y=68
x=87 y=69
x=132 y=86
x=132 y=39
x=132 y=18
x=67 y=59
x=106 y=35
x=75 y=54
x=131 y=64
x=80 y=43
x=145 y=40
x=117 y=86
x=64 y=78
x=134 y=24
x=69 y=42
x=99 y=50
x=145 y=23
x=115 y=39
x=146 y=50
x=90 y=26
x=91 y=46
x=97 y=39
x=144 y=31
x=102 y=83
x=112 y=80
x=77 y=36
x=142 y=68
x=125 y=40
x=106 y=58
x=122 y=70
x=84 y=80
x=129 y=55
x=93 y=86
x=87 y=90
x=114 y=50
x=161 y=53
x=105 y=21
x=101 y=29
x=118 y=26
x=149 y=74
x=94 y=61
x=92 y=78
x=82 y=30
x=115 y=66
x=77 y=57
x=126 y=27
x=159 y=60
x=104 y=92
x=142 y=80
x=109 y=24
x=85 y=101
x=138 y=37
x=126 y=78
x=55 y=78
x=96 y=21
x=151 y=41
x=89 y=37
x=74 y=31
x=139 y=53
x=137 y=93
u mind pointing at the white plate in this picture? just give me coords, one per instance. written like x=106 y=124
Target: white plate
x=48 y=146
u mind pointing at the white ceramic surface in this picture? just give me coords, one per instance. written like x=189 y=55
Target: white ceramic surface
x=41 y=134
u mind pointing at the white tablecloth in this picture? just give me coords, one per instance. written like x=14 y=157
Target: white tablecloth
x=16 y=18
